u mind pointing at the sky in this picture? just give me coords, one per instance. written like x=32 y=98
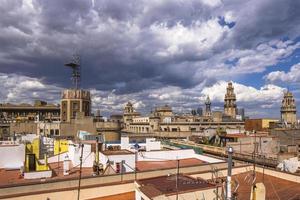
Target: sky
x=152 y=53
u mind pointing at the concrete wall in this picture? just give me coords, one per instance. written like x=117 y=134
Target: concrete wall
x=69 y=192
x=129 y=160
x=71 y=128
x=266 y=145
x=29 y=137
x=24 y=127
x=84 y=193
x=258 y=124
x=87 y=158
x=110 y=130
x=111 y=136
x=152 y=144
x=48 y=128
x=234 y=130
x=12 y=156
x=125 y=143
x=38 y=174
x=202 y=194
x=174 y=155
x=56 y=158
x=67 y=188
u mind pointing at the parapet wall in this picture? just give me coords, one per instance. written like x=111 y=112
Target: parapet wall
x=76 y=94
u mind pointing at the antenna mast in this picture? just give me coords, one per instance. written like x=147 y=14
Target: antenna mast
x=75 y=65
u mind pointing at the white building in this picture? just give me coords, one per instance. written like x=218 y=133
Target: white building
x=12 y=156
x=121 y=161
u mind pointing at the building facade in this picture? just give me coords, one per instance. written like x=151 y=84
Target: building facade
x=164 y=123
x=288 y=109
x=39 y=111
x=75 y=102
x=128 y=114
x=263 y=124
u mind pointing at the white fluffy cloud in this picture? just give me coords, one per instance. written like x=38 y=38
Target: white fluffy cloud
x=23 y=89
x=239 y=62
x=267 y=93
x=199 y=37
x=257 y=102
x=292 y=76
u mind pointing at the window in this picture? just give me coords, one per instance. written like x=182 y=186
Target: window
x=56 y=132
x=51 y=132
x=75 y=106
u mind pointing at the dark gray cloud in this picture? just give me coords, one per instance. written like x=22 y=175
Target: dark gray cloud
x=261 y=21
x=144 y=45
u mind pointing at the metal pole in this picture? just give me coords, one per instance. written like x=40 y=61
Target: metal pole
x=264 y=170
x=254 y=155
x=97 y=155
x=228 y=180
x=135 y=160
x=122 y=165
x=177 y=173
x=58 y=155
x=79 y=181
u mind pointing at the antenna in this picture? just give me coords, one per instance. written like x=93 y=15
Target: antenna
x=75 y=65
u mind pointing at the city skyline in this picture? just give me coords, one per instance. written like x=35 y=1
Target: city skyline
x=153 y=53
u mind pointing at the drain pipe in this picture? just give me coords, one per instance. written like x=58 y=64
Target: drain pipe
x=228 y=179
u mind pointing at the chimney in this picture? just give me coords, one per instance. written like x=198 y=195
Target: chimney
x=66 y=165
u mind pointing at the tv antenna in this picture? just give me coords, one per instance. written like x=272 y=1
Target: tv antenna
x=75 y=65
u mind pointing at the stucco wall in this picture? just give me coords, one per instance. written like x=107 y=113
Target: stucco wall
x=12 y=156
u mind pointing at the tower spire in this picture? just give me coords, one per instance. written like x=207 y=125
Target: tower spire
x=230 y=101
x=207 y=106
x=288 y=108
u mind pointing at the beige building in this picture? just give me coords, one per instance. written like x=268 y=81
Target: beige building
x=163 y=112
x=288 y=109
x=164 y=123
x=24 y=112
x=23 y=128
x=75 y=116
x=128 y=114
x=48 y=128
x=263 y=124
x=217 y=116
x=230 y=101
x=75 y=102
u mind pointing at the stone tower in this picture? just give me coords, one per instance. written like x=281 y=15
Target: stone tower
x=207 y=107
x=230 y=101
x=74 y=103
x=128 y=114
x=128 y=108
x=288 y=108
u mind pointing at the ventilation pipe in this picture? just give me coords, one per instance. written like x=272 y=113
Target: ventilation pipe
x=66 y=165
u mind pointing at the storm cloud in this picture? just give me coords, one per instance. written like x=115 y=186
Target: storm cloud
x=131 y=50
